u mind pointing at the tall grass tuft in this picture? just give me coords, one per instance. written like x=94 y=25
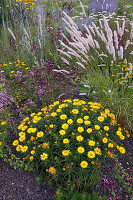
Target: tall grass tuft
x=98 y=46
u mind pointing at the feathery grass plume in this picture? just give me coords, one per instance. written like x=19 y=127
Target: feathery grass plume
x=12 y=33
x=127 y=44
x=40 y=24
x=66 y=54
x=82 y=8
x=39 y=43
x=65 y=61
x=61 y=71
x=116 y=39
x=81 y=65
x=97 y=41
x=131 y=34
x=26 y=33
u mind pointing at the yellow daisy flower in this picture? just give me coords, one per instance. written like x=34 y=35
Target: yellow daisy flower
x=89 y=130
x=91 y=154
x=24 y=128
x=106 y=128
x=122 y=150
x=75 y=111
x=69 y=121
x=91 y=143
x=119 y=133
x=62 y=132
x=40 y=134
x=84 y=164
x=87 y=122
x=58 y=110
x=24 y=148
x=66 y=141
x=110 y=145
x=45 y=145
x=122 y=137
x=44 y=156
x=66 y=152
x=105 y=140
x=80 y=129
x=80 y=149
x=29 y=130
x=97 y=127
x=52 y=170
x=79 y=121
x=32 y=114
x=3 y=123
x=32 y=152
x=97 y=151
x=53 y=114
x=22 y=134
x=15 y=142
x=65 y=126
x=79 y=138
x=86 y=117
x=63 y=117
x=18 y=148
x=22 y=138
x=100 y=119
x=31 y=158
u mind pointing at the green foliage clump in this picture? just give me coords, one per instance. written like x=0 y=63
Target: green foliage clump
x=68 y=141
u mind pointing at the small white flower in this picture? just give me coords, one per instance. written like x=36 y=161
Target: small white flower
x=87 y=86
x=84 y=94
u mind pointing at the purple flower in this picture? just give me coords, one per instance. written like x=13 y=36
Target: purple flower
x=100 y=5
x=32 y=73
x=110 y=198
x=40 y=92
x=30 y=102
x=1 y=107
x=25 y=76
x=5 y=100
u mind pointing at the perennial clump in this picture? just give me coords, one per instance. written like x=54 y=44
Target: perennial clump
x=71 y=141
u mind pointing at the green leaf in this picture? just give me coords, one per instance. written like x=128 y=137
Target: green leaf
x=104 y=198
x=26 y=167
x=15 y=167
x=94 y=195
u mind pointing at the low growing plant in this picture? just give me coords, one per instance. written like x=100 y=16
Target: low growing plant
x=30 y=86
x=123 y=177
x=114 y=90
x=68 y=140
x=6 y=153
x=60 y=195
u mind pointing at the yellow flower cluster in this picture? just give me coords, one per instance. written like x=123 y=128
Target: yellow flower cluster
x=66 y=152
x=122 y=73
x=13 y=67
x=36 y=119
x=73 y=128
x=3 y=123
x=52 y=170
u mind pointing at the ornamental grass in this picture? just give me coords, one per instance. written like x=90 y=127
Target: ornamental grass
x=68 y=140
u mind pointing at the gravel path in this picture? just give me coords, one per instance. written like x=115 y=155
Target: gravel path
x=22 y=185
